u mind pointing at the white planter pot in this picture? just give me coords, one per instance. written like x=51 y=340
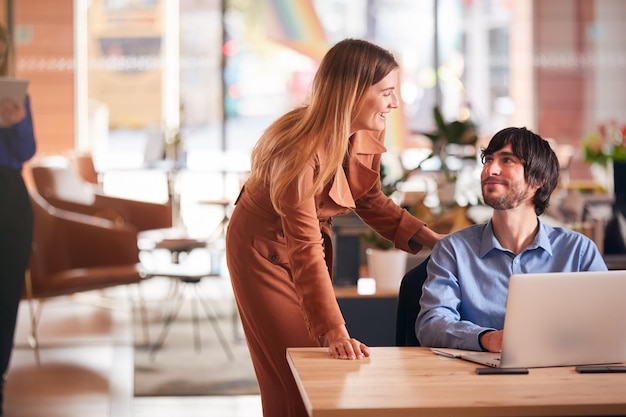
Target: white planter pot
x=387 y=267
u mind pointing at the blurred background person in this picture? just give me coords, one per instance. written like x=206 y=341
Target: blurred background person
x=17 y=145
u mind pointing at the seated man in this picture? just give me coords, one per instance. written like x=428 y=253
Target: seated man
x=464 y=297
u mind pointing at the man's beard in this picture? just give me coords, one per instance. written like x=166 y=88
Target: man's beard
x=511 y=199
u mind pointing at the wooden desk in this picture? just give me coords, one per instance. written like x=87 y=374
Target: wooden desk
x=410 y=381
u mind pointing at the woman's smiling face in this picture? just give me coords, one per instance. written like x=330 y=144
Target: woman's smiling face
x=378 y=101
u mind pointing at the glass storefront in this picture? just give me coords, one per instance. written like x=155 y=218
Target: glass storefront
x=216 y=73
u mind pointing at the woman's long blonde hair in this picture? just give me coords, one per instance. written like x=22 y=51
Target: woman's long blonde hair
x=348 y=69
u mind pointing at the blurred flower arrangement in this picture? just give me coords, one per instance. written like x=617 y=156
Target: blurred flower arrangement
x=606 y=143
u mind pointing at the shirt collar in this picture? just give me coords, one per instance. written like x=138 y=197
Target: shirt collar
x=368 y=142
x=362 y=142
x=340 y=191
x=489 y=241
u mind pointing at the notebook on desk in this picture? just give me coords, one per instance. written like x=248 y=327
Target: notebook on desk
x=560 y=319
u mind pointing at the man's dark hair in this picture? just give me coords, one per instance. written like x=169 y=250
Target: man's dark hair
x=541 y=166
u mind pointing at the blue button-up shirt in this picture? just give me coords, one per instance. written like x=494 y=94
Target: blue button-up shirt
x=468 y=279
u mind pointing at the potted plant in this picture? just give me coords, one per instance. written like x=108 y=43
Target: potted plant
x=445 y=136
x=605 y=150
x=386 y=264
x=457 y=132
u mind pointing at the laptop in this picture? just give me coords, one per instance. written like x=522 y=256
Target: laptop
x=559 y=319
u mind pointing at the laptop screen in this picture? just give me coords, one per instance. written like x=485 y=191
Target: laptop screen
x=565 y=318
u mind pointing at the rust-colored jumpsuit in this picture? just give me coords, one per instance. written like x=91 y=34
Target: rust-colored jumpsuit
x=279 y=266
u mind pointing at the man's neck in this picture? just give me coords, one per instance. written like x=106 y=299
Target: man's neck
x=515 y=229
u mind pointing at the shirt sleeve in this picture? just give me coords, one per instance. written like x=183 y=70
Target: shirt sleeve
x=389 y=219
x=310 y=274
x=591 y=259
x=439 y=322
x=20 y=139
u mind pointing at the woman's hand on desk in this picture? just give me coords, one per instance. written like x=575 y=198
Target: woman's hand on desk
x=342 y=346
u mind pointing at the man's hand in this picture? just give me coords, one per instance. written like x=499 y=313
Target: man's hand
x=492 y=341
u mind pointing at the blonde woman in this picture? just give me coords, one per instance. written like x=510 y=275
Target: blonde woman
x=313 y=163
x=17 y=145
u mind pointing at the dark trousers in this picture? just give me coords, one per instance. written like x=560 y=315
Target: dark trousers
x=16 y=231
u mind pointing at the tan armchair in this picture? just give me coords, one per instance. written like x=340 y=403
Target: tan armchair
x=73 y=253
x=85 y=167
x=59 y=184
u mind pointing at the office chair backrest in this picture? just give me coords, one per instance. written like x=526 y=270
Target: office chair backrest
x=408 y=304
x=84 y=165
x=60 y=185
x=72 y=252
x=55 y=178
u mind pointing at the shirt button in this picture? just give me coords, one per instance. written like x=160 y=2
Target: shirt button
x=320 y=205
x=274 y=258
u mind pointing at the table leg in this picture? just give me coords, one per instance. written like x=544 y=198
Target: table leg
x=210 y=313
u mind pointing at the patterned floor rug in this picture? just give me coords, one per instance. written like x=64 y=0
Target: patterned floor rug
x=191 y=360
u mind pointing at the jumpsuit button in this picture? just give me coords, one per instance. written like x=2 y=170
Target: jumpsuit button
x=274 y=258
x=281 y=234
x=320 y=205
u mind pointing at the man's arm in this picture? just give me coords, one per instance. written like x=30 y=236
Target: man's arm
x=440 y=322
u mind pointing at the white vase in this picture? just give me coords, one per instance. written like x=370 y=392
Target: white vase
x=387 y=267
x=603 y=176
